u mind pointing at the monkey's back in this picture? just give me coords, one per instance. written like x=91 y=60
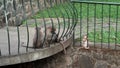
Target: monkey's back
x=38 y=39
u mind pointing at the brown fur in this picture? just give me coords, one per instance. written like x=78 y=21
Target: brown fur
x=84 y=42
x=52 y=34
x=38 y=39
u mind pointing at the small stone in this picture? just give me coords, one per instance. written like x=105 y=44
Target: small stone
x=101 y=64
x=85 y=62
x=113 y=66
x=68 y=60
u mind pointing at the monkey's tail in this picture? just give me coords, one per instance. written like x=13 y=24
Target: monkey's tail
x=63 y=48
x=22 y=44
x=27 y=46
x=118 y=45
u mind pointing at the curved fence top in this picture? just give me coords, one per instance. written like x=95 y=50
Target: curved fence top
x=28 y=25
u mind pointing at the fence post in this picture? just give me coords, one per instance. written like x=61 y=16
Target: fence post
x=73 y=37
x=0 y=52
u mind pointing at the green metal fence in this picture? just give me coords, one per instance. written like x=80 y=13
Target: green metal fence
x=99 y=21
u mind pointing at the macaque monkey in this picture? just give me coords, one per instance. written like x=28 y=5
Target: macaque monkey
x=50 y=37
x=84 y=42
x=38 y=38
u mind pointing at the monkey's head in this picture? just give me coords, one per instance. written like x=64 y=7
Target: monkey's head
x=51 y=29
x=37 y=28
x=85 y=37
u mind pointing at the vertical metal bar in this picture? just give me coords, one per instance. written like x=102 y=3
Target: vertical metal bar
x=68 y=21
x=24 y=16
x=18 y=39
x=42 y=15
x=33 y=12
x=38 y=4
x=71 y=5
x=37 y=30
x=14 y=4
x=94 y=24
x=7 y=27
x=73 y=15
x=73 y=37
x=74 y=18
x=61 y=12
x=55 y=2
x=116 y=32
x=63 y=20
x=68 y=17
x=109 y=30
x=71 y=10
x=80 y=23
x=0 y=53
x=53 y=26
x=45 y=25
x=87 y=21
x=56 y=14
x=58 y=21
x=102 y=25
x=48 y=12
x=73 y=29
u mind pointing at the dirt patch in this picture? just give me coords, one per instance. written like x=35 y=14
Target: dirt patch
x=77 y=57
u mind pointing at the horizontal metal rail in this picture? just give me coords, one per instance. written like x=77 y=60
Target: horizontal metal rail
x=95 y=2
